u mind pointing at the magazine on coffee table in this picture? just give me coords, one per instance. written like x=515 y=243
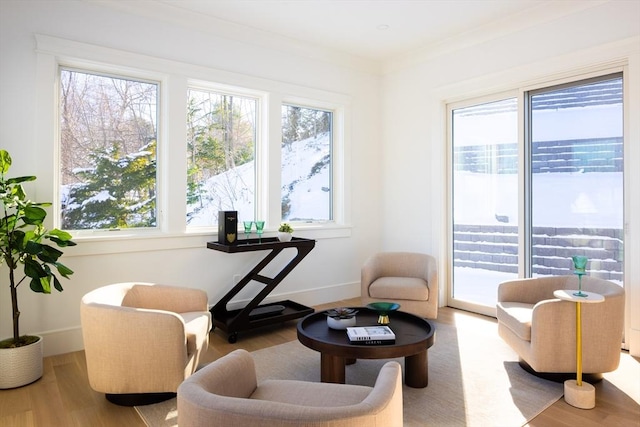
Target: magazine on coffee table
x=371 y=335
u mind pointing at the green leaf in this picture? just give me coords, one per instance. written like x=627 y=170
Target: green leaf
x=33 y=269
x=19 y=179
x=61 y=238
x=62 y=235
x=41 y=285
x=5 y=161
x=32 y=247
x=63 y=270
x=34 y=215
x=51 y=252
x=57 y=284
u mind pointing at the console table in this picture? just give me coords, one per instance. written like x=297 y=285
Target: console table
x=576 y=392
x=254 y=315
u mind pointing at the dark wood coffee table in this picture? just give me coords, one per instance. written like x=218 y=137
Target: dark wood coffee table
x=414 y=335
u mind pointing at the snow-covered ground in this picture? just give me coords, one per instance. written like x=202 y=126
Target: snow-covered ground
x=306 y=185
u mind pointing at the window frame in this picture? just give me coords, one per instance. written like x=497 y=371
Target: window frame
x=175 y=78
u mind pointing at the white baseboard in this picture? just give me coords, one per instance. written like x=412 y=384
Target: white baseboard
x=62 y=341
x=69 y=340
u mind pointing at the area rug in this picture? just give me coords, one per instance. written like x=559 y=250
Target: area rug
x=474 y=380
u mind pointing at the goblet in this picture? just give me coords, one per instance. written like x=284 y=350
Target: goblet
x=259 y=230
x=247 y=229
x=579 y=268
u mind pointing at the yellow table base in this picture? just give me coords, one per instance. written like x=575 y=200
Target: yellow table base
x=581 y=396
x=577 y=392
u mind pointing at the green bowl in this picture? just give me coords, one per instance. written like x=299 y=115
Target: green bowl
x=383 y=307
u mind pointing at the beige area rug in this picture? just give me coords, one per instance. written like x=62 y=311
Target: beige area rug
x=474 y=380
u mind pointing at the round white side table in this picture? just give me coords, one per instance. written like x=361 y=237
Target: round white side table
x=576 y=392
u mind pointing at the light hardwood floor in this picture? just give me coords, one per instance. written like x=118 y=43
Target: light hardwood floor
x=62 y=397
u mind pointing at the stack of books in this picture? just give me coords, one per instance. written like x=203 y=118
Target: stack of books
x=371 y=335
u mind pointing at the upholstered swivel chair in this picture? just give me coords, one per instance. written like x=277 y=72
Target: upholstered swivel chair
x=410 y=279
x=226 y=393
x=542 y=328
x=142 y=340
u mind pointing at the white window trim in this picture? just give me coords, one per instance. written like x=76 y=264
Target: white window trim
x=171 y=233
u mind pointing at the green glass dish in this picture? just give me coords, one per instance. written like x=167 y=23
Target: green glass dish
x=383 y=309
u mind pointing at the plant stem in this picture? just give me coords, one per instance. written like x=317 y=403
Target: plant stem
x=14 y=306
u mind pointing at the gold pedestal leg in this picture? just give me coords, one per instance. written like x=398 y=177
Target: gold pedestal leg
x=579 y=344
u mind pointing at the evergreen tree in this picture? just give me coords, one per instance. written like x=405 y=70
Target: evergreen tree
x=119 y=191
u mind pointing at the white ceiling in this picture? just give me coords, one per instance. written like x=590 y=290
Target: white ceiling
x=374 y=30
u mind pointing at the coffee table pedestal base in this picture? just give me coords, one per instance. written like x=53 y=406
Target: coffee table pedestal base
x=416 y=372
x=581 y=396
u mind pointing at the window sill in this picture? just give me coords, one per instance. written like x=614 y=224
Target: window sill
x=139 y=241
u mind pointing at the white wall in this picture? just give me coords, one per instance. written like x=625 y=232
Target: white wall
x=414 y=112
x=330 y=272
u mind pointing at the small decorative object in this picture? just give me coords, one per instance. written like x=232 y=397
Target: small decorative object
x=227 y=227
x=248 y=225
x=259 y=230
x=579 y=268
x=383 y=309
x=341 y=317
x=284 y=232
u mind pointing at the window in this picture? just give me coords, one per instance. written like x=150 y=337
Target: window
x=307 y=135
x=221 y=143
x=148 y=149
x=108 y=143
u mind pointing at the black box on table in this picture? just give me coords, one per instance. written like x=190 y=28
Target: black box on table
x=228 y=227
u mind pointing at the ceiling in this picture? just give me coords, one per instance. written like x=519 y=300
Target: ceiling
x=375 y=30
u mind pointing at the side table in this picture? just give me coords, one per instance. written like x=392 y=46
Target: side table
x=254 y=315
x=576 y=392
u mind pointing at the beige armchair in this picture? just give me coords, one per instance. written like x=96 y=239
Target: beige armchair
x=410 y=279
x=142 y=340
x=542 y=328
x=226 y=393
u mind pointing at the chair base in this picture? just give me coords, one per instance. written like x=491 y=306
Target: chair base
x=138 y=399
x=560 y=377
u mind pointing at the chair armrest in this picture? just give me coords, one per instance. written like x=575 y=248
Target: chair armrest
x=552 y=327
x=151 y=354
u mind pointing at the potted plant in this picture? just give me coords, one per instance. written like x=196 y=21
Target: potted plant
x=23 y=244
x=341 y=317
x=284 y=232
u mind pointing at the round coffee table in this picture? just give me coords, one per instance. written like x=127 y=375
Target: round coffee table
x=414 y=335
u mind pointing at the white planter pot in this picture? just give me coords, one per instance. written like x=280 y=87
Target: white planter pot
x=341 y=323
x=21 y=365
x=284 y=237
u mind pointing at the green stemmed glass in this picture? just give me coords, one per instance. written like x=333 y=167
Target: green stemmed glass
x=247 y=229
x=259 y=230
x=579 y=268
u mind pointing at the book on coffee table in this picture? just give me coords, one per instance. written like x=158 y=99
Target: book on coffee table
x=371 y=335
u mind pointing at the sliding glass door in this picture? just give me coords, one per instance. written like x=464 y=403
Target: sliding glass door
x=535 y=185
x=485 y=199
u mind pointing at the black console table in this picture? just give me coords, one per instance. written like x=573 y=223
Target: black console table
x=255 y=315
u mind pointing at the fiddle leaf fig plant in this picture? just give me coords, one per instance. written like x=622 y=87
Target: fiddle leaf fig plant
x=23 y=243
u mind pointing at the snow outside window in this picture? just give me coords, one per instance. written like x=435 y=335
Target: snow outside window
x=306 y=164
x=108 y=141
x=221 y=145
